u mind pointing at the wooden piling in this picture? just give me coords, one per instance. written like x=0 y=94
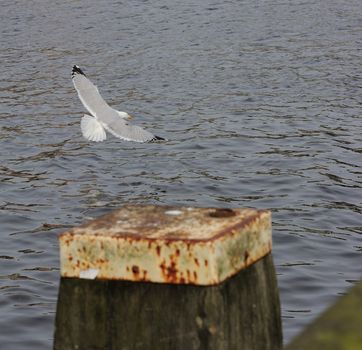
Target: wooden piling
x=220 y=304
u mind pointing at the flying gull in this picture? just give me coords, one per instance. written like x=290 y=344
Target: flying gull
x=103 y=116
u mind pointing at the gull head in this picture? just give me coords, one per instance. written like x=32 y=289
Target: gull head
x=125 y=115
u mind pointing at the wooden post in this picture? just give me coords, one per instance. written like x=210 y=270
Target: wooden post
x=204 y=297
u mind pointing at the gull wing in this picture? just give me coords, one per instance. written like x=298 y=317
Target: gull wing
x=89 y=95
x=120 y=128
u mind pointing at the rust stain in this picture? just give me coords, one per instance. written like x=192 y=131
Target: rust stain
x=246 y=256
x=196 y=262
x=182 y=277
x=169 y=272
x=167 y=241
x=206 y=263
x=135 y=270
x=153 y=217
x=158 y=250
x=222 y=213
x=240 y=225
x=163 y=268
x=172 y=271
x=195 y=276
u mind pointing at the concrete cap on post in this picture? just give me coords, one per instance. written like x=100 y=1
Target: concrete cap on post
x=164 y=244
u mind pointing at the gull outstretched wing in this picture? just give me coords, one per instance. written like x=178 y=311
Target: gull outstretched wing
x=120 y=128
x=89 y=94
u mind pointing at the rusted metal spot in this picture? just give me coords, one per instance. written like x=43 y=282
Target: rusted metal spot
x=172 y=271
x=169 y=272
x=135 y=269
x=163 y=268
x=222 y=213
x=101 y=261
x=195 y=276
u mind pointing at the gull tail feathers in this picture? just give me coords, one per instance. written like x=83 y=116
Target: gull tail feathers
x=92 y=129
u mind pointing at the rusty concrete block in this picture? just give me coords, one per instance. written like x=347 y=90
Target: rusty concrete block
x=181 y=245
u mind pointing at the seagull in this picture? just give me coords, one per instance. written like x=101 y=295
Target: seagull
x=103 y=117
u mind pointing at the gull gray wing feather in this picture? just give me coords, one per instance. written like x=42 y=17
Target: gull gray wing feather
x=120 y=128
x=89 y=95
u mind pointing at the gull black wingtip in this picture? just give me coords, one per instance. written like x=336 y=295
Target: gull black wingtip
x=76 y=70
x=158 y=138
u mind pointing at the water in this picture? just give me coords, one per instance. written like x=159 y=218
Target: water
x=261 y=102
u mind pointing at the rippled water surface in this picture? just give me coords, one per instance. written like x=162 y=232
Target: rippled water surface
x=260 y=101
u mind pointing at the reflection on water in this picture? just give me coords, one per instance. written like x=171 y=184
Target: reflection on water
x=261 y=102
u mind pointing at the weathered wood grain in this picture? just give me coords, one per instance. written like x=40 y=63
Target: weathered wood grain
x=241 y=313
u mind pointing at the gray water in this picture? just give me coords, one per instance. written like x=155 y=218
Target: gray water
x=260 y=101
